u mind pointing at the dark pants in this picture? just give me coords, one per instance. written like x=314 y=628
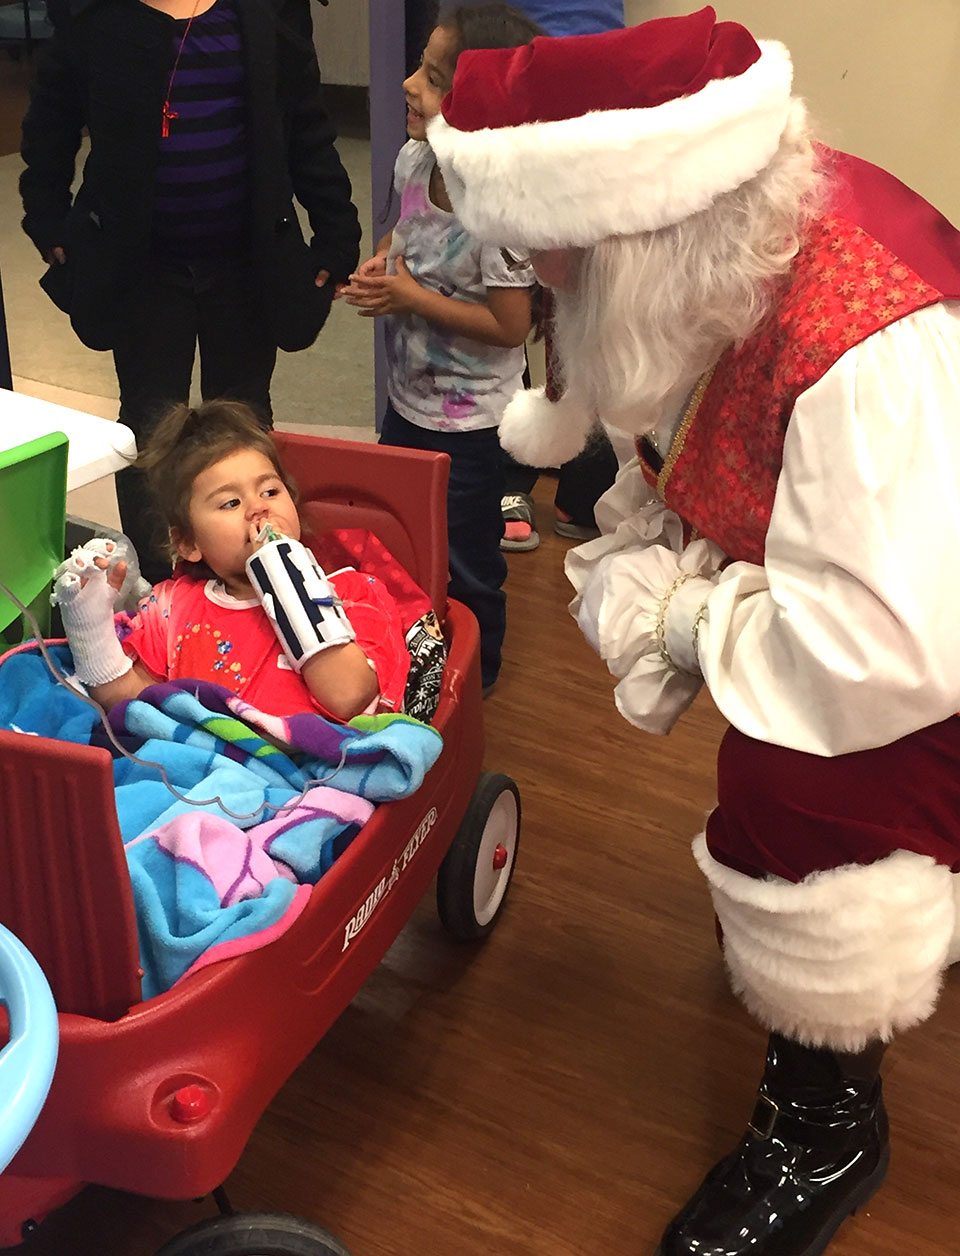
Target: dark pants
x=474 y=524
x=175 y=308
x=580 y=483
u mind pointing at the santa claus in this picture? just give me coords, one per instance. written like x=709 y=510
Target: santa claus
x=776 y=322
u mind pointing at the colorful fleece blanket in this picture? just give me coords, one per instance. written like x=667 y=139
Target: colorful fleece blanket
x=229 y=866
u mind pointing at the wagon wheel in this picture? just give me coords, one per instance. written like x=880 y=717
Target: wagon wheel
x=254 y=1234
x=475 y=874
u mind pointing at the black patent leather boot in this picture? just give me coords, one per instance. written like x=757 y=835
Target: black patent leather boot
x=816 y=1148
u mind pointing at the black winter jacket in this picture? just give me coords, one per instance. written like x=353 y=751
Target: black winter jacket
x=107 y=69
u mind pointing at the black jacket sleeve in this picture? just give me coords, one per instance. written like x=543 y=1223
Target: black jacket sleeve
x=320 y=183
x=52 y=131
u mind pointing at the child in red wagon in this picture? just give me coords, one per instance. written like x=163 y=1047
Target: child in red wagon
x=248 y=606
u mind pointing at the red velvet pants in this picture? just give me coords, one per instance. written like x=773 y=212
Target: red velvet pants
x=788 y=814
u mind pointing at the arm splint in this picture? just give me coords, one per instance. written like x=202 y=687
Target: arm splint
x=300 y=602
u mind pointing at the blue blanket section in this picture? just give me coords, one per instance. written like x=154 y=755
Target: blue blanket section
x=202 y=877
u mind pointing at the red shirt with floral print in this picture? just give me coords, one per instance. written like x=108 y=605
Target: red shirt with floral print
x=191 y=628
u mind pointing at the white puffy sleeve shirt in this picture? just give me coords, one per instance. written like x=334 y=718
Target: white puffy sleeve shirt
x=848 y=636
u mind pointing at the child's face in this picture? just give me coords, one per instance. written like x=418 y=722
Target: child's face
x=229 y=503
x=430 y=82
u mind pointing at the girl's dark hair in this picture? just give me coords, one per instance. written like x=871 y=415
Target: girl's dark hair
x=486 y=26
x=187 y=440
x=493 y=26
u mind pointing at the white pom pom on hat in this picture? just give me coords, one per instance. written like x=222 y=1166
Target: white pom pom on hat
x=541 y=432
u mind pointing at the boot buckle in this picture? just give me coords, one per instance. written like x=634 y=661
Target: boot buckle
x=764 y=1116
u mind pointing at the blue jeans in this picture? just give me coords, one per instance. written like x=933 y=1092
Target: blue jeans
x=474 y=524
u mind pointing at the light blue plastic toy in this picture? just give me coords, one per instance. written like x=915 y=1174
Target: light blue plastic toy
x=28 y=1060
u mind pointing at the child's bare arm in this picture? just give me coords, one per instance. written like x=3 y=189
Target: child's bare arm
x=383 y=244
x=502 y=320
x=376 y=265
x=341 y=680
x=310 y=622
x=130 y=685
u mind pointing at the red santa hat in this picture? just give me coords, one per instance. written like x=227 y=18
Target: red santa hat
x=564 y=142
x=567 y=141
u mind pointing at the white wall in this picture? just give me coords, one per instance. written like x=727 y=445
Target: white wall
x=881 y=77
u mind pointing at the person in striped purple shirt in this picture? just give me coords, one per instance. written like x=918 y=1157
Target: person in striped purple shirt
x=206 y=122
x=200 y=205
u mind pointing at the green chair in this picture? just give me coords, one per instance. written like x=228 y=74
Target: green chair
x=33 y=502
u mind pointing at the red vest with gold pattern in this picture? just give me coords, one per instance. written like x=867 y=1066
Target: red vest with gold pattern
x=881 y=253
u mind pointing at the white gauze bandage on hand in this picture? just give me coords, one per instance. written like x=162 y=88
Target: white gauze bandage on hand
x=299 y=600
x=86 y=600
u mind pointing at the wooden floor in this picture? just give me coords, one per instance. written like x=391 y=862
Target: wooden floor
x=558 y=1090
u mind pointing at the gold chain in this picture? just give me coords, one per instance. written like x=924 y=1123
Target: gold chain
x=676 y=445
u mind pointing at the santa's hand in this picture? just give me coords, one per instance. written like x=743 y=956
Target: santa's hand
x=85 y=589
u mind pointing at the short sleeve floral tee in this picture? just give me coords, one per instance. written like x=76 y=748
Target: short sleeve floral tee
x=191 y=628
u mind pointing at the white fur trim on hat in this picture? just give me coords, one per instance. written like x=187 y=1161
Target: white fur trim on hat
x=574 y=182
x=843 y=957
x=543 y=433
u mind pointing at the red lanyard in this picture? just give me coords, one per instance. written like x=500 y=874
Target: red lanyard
x=168 y=113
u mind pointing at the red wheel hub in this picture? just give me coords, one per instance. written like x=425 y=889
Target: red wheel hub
x=190 y=1103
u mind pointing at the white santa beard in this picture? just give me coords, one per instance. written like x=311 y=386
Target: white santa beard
x=608 y=370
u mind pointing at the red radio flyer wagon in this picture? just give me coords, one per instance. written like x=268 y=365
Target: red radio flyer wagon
x=160 y=1097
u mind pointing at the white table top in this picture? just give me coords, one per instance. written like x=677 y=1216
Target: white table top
x=97 y=446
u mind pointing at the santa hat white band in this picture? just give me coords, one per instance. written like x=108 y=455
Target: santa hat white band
x=576 y=181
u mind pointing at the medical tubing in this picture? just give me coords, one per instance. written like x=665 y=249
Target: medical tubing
x=217 y=800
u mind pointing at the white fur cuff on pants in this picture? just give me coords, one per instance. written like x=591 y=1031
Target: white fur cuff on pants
x=844 y=956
